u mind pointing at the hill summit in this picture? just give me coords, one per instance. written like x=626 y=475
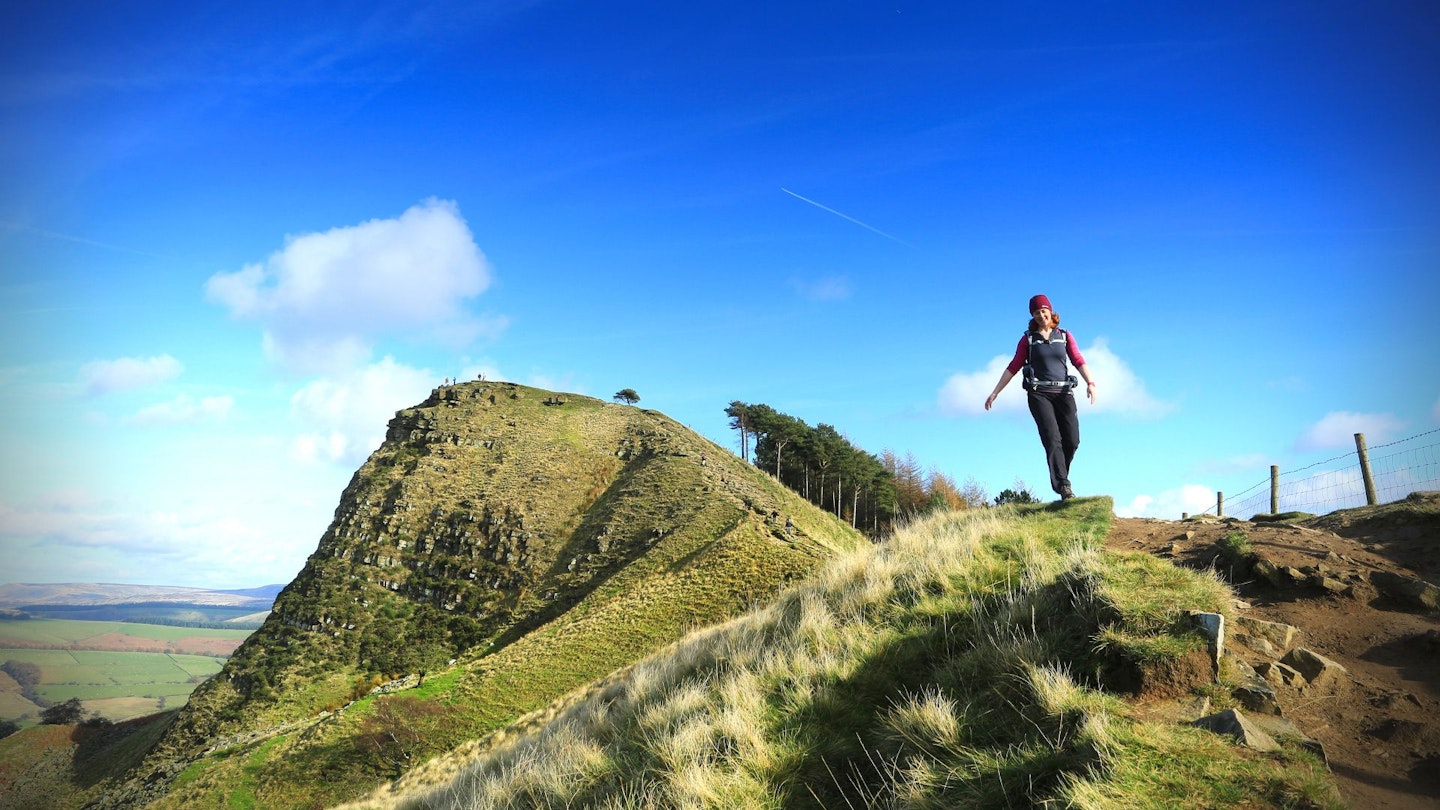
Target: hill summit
x=505 y=531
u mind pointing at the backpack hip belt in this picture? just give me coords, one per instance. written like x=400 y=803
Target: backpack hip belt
x=1032 y=384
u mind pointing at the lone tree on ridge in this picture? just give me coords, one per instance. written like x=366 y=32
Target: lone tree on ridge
x=627 y=396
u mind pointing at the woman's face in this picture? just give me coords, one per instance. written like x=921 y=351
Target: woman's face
x=1043 y=317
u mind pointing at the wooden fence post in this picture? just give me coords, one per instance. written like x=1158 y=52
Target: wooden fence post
x=1370 y=498
x=1274 y=489
x=1219 y=504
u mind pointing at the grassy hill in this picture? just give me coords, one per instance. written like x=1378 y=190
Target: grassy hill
x=506 y=545
x=977 y=659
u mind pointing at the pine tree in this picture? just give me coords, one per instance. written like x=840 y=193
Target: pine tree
x=943 y=492
x=740 y=420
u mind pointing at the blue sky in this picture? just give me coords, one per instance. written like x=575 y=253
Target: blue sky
x=235 y=238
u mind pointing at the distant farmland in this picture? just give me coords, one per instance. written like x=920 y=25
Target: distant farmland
x=118 y=669
x=185 y=615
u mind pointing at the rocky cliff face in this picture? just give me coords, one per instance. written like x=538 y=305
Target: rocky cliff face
x=490 y=510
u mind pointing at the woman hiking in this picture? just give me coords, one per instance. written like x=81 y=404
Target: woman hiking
x=1042 y=353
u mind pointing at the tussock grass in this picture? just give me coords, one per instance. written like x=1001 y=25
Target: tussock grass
x=1235 y=546
x=959 y=664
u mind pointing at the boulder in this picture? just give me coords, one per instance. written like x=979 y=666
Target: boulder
x=1283 y=636
x=1316 y=668
x=1254 y=693
x=1415 y=592
x=1330 y=585
x=1257 y=696
x=1213 y=626
x=1234 y=723
x=1256 y=644
x=1280 y=727
x=1281 y=674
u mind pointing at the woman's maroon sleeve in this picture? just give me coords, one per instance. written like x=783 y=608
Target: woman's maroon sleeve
x=1073 y=348
x=1020 y=356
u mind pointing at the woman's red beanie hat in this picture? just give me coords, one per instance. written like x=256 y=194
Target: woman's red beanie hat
x=1038 y=301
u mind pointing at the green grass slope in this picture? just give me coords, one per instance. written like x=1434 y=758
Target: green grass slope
x=544 y=540
x=51 y=766
x=974 y=660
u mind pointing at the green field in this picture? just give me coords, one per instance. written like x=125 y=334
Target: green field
x=73 y=632
x=117 y=684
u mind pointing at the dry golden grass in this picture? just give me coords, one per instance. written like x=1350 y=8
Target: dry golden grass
x=945 y=667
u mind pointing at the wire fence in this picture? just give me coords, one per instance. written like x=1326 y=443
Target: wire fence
x=1394 y=470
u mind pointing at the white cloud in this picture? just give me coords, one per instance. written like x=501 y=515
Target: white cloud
x=70 y=516
x=76 y=520
x=326 y=297
x=1170 y=504
x=1118 y=389
x=964 y=394
x=1250 y=463
x=310 y=447
x=126 y=373
x=1337 y=429
x=831 y=288
x=72 y=536
x=347 y=413
x=184 y=410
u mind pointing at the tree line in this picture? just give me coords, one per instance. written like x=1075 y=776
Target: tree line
x=867 y=491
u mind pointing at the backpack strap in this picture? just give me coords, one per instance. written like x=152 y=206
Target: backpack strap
x=1059 y=336
x=1027 y=371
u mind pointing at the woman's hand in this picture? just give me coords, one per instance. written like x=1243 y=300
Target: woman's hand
x=1090 y=391
x=1005 y=377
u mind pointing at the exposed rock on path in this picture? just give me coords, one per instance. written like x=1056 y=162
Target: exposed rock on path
x=1360 y=671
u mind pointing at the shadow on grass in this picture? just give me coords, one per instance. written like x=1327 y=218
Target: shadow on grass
x=109 y=750
x=848 y=755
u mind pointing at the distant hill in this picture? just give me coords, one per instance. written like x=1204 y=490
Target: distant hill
x=266 y=593
x=157 y=604
x=21 y=595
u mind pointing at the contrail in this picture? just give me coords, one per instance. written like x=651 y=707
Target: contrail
x=79 y=240
x=846 y=217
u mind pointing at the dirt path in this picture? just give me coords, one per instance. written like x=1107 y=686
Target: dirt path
x=1381 y=730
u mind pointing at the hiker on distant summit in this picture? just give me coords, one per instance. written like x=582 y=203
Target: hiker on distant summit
x=1041 y=353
